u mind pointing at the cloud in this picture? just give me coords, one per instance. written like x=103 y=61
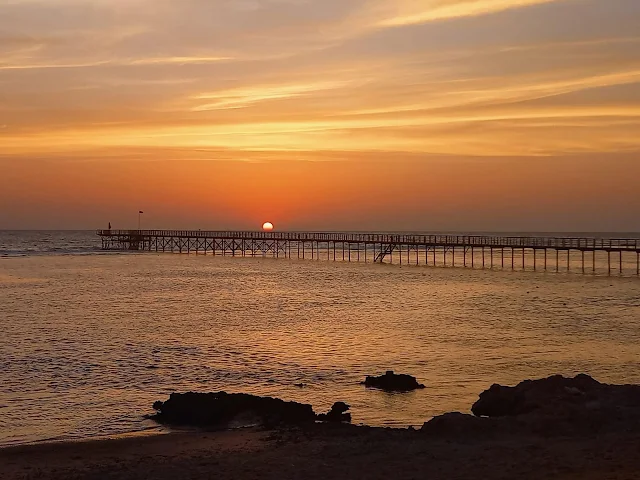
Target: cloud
x=422 y=12
x=243 y=97
x=485 y=77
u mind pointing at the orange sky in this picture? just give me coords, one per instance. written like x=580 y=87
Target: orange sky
x=513 y=115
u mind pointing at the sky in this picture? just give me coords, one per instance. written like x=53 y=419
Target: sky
x=402 y=115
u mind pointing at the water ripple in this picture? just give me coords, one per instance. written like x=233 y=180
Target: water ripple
x=89 y=342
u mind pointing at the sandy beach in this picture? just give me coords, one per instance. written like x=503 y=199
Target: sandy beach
x=327 y=451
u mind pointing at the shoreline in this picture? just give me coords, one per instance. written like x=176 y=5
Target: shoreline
x=552 y=428
x=326 y=451
x=148 y=432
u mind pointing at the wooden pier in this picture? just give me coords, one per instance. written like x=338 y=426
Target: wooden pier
x=584 y=255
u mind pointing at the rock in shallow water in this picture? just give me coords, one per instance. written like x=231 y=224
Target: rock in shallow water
x=338 y=413
x=555 y=395
x=392 y=382
x=553 y=406
x=221 y=409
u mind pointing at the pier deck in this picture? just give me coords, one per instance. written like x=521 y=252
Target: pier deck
x=537 y=253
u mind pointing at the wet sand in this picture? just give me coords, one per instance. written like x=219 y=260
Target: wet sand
x=327 y=452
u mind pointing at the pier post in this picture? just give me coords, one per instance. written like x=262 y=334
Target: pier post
x=609 y=260
x=620 y=262
x=557 y=261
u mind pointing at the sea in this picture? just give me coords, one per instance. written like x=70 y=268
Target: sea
x=90 y=339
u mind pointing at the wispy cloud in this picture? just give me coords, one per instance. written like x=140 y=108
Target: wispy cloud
x=243 y=97
x=420 y=12
x=482 y=77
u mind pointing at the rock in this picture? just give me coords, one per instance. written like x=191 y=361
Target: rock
x=546 y=394
x=340 y=407
x=392 y=382
x=222 y=409
x=338 y=413
x=457 y=424
x=561 y=406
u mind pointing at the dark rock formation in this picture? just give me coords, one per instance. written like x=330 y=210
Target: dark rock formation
x=548 y=394
x=338 y=413
x=457 y=424
x=392 y=382
x=554 y=406
x=219 y=409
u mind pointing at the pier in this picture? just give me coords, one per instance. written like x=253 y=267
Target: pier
x=584 y=255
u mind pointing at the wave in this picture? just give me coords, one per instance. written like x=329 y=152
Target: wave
x=22 y=244
x=54 y=250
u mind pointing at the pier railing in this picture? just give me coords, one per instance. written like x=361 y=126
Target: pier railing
x=573 y=243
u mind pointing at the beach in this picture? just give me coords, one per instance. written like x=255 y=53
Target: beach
x=327 y=451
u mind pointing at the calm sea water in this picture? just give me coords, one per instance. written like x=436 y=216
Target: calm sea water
x=90 y=339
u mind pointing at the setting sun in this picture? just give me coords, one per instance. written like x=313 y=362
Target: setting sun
x=267 y=226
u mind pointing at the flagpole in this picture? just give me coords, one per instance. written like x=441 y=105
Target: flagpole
x=139 y=220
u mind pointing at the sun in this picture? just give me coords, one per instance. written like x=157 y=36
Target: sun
x=267 y=226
